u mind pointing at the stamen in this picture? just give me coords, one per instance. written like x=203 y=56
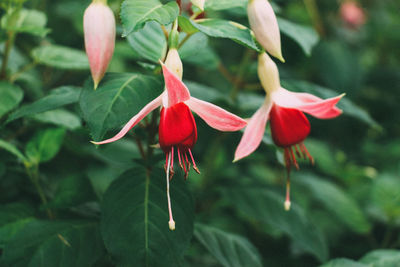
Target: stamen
x=179 y=157
x=187 y=166
x=297 y=151
x=287 y=159
x=171 y=222
x=184 y=167
x=172 y=164
x=305 y=151
x=294 y=159
x=194 y=163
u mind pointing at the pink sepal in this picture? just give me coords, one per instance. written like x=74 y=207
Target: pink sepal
x=134 y=120
x=177 y=90
x=254 y=132
x=308 y=103
x=215 y=116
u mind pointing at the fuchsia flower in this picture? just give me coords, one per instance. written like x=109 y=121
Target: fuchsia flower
x=289 y=126
x=99 y=32
x=352 y=14
x=177 y=128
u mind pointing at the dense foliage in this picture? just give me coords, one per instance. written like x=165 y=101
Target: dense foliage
x=67 y=202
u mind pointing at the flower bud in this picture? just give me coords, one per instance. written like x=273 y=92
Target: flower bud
x=268 y=73
x=265 y=26
x=174 y=63
x=352 y=14
x=99 y=32
x=199 y=4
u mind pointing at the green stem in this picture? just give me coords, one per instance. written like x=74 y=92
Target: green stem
x=242 y=69
x=312 y=10
x=184 y=40
x=27 y=67
x=6 y=55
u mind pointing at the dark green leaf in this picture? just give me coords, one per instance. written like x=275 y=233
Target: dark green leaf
x=386 y=197
x=229 y=249
x=45 y=145
x=267 y=206
x=61 y=57
x=54 y=244
x=135 y=219
x=135 y=13
x=118 y=98
x=57 y=98
x=26 y=21
x=222 y=29
x=10 y=96
x=148 y=43
x=59 y=117
x=305 y=36
x=336 y=201
x=343 y=263
x=382 y=258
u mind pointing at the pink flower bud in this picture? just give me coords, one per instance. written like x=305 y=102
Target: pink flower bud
x=99 y=32
x=265 y=26
x=352 y=14
x=174 y=63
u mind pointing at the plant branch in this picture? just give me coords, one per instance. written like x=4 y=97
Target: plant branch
x=7 y=49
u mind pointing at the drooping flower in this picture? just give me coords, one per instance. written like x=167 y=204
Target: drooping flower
x=289 y=126
x=99 y=33
x=263 y=23
x=177 y=129
x=352 y=14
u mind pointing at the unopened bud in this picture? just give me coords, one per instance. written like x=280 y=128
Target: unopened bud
x=268 y=73
x=265 y=26
x=174 y=63
x=199 y=4
x=99 y=32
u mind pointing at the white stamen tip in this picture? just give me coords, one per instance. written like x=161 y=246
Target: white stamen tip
x=287 y=205
x=171 y=225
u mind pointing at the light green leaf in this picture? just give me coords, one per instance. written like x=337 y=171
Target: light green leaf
x=61 y=57
x=135 y=13
x=266 y=206
x=348 y=107
x=229 y=249
x=135 y=219
x=26 y=21
x=382 y=258
x=336 y=201
x=12 y=149
x=45 y=145
x=54 y=243
x=57 y=98
x=10 y=96
x=305 y=36
x=343 y=263
x=148 y=43
x=224 y=4
x=118 y=98
x=59 y=117
x=221 y=29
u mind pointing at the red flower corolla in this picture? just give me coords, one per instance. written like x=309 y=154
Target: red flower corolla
x=177 y=128
x=289 y=126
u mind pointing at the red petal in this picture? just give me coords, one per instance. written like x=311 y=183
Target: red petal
x=177 y=127
x=288 y=126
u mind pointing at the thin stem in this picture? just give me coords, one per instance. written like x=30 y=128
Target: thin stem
x=24 y=69
x=166 y=34
x=140 y=146
x=225 y=72
x=242 y=69
x=184 y=40
x=6 y=55
x=312 y=10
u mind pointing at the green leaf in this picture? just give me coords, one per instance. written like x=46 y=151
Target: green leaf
x=26 y=21
x=385 y=196
x=266 y=206
x=71 y=192
x=118 y=98
x=336 y=201
x=135 y=219
x=148 y=43
x=59 y=117
x=10 y=96
x=343 y=263
x=45 y=145
x=12 y=149
x=382 y=258
x=221 y=29
x=305 y=36
x=224 y=4
x=61 y=57
x=54 y=243
x=349 y=108
x=57 y=98
x=135 y=13
x=229 y=249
